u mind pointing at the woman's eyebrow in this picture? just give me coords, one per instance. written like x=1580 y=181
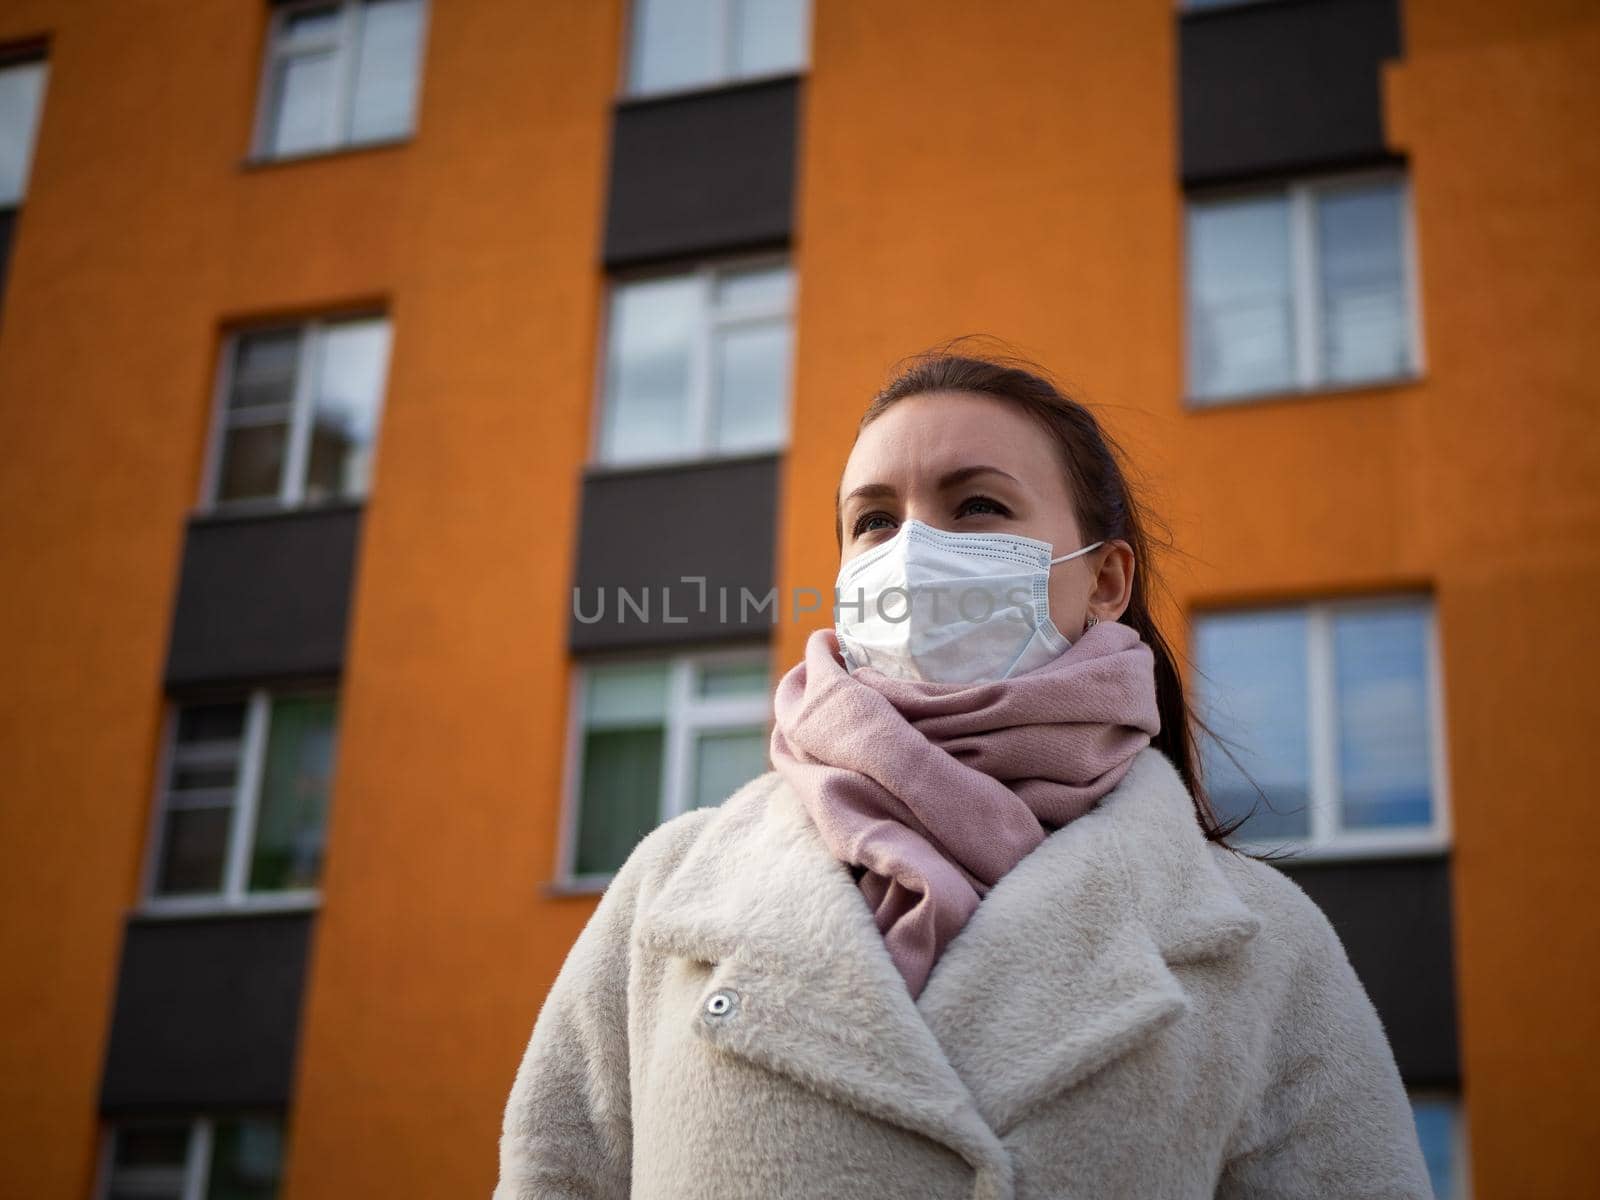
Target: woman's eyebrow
x=868 y=491
x=950 y=479
x=961 y=474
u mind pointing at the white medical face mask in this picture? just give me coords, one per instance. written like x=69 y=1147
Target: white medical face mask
x=949 y=607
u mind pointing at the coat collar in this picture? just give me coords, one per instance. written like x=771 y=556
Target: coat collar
x=1063 y=968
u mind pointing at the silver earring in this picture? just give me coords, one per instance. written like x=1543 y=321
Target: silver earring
x=1090 y=623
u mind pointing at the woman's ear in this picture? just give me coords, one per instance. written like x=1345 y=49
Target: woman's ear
x=1113 y=583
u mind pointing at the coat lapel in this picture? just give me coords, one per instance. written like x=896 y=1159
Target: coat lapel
x=1065 y=965
x=818 y=999
x=1063 y=968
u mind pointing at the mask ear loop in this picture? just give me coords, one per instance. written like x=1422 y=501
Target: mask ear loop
x=1075 y=553
x=1069 y=641
x=1093 y=620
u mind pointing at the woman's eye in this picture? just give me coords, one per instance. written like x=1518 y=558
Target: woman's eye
x=869 y=523
x=982 y=506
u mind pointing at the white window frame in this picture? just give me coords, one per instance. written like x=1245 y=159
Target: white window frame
x=234 y=896
x=343 y=42
x=1327 y=840
x=302 y=414
x=1304 y=283
x=726 y=76
x=196 y=1170
x=687 y=716
x=711 y=320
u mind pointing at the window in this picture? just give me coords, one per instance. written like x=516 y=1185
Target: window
x=339 y=74
x=297 y=413
x=244 y=802
x=236 y=1157
x=678 y=44
x=22 y=84
x=21 y=99
x=1333 y=710
x=1306 y=286
x=655 y=738
x=1441 y=1128
x=697 y=364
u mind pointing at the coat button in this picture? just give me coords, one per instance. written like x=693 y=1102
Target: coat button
x=721 y=1002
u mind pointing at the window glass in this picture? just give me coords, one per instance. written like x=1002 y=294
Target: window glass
x=661 y=737
x=1251 y=684
x=200 y=798
x=767 y=287
x=353 y=359
x=1438 y=1130
x=264 y=366
x=733 y=679
x=625 y=711
x=152 y=1145
x=694 y=43
x=1329 y=704
x=625 y=694
x=1297 y=287
x=725 y=760
x=312 y=23
x=1381 y=680
x=296 y=778
x=343 y=74
x=21 y=98
x=268 y=412
x=217 y=750
x=194 y=849
x=303 y=103
x=676 y=43
x=621 y=797
x=146 y=1185
x=153 y=1160
x=752 y=387
x=769 y=35
x=654 y=324
x=1241 y=304
x=698 y=364
x=260 y=408
x=148 y=1161
x=253 y=461
x=210 y=724
x=205 y=775
x=1365 y=326
x=246 y=1159
x=206 y=750
x=387 y=62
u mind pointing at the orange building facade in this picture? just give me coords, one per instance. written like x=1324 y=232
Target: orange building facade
x=208 y=253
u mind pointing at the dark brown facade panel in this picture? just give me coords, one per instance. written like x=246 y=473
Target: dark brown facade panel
x=1269 y=89
x=207 y=1013
x=645 y=531
x=702 y=173
x=8 y=230
x=263 y=597
x=1393 y=916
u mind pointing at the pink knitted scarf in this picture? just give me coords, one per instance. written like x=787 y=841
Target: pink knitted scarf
x=938 y=790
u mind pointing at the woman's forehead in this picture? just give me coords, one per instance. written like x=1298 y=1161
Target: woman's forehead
x=924 y=438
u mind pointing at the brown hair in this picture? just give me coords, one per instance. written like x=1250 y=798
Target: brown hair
x=1107 y=507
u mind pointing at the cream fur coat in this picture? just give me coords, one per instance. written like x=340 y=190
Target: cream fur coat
x=1131 y=1012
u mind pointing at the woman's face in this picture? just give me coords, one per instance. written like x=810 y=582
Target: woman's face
x=969 y=463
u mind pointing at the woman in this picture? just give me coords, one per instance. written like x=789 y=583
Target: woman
x=978 y=934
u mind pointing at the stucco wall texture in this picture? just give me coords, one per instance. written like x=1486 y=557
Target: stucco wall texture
x=1007 y=169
